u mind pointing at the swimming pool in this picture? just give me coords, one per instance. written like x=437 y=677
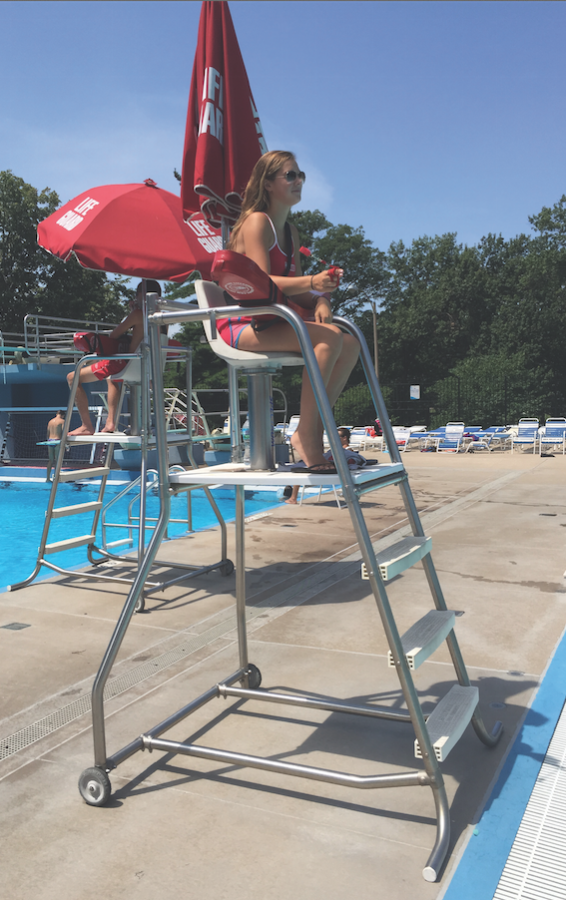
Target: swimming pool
x=22 y=514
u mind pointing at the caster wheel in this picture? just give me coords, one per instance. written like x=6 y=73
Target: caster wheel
x=254 y=677
x=227 y=567
x=140 y=604
x=95 y=787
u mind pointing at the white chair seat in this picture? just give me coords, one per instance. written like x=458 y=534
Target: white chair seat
x=210 y=295
x=131 y=373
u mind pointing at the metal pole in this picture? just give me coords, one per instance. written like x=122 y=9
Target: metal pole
x=98 y=727
x=234 y=415
x=241 y=576
x=375 y=358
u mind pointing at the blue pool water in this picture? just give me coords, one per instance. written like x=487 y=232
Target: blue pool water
x=22 y=514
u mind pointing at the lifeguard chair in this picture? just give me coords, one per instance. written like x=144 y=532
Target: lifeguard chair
x=434 y=735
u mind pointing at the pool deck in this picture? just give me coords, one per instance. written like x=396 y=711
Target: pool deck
x=178 y=827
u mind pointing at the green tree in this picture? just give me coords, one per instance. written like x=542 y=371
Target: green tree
x=434 y=310
x=347 y=247
x=33 y=281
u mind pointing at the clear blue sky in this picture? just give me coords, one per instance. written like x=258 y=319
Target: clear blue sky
x=409 y=118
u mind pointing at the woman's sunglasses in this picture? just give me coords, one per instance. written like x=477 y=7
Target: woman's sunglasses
x=292 y=176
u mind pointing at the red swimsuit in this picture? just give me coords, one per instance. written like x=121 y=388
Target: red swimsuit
x=231 y=329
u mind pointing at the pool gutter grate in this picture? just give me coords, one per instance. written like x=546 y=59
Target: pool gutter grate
x=116 y=686
x=268 y=609
x=536 y=866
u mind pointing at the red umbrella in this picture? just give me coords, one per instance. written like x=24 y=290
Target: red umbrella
x=132 y=229
x=223 y=137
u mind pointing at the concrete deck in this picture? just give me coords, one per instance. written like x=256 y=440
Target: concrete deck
x=189 y=828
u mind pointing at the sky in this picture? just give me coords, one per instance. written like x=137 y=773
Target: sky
x=409 y=118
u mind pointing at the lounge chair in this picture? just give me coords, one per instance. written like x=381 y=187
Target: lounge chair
x=527 y=434
x=553 y=434
x=453 y=440
x=493 y=438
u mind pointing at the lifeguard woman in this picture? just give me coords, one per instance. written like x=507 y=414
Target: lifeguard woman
x=263 y=233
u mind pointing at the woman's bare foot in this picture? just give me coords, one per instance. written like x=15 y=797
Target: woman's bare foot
x=108 y=429
x=311 y=454
x=290 y=500
x=82 y=429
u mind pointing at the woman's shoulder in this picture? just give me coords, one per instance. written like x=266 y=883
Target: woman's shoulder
x=258 y=227
x=258 y=221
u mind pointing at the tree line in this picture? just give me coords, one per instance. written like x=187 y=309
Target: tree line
x=482 y=313
x=33 y=281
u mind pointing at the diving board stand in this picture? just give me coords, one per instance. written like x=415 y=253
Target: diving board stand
x=138 y=374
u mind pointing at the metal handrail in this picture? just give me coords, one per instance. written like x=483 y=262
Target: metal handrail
x=48 y=334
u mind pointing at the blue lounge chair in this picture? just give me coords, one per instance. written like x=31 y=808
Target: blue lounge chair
x=553 y=434
x=527 y=434
x=453 y=440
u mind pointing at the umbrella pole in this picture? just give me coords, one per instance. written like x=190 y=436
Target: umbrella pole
x=144 y=424
x=236 y=442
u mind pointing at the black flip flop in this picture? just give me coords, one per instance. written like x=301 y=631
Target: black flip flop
x=318 y=469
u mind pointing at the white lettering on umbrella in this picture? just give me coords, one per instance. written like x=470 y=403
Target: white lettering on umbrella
x=212 y=81
x=258 y=128
x=212 y=121
x=73 y=217
x=211 y=244
x=70 y=220
x=201 y=228
x=211 y=118
x=86 y=205
x=208 y=120
x=219 y=126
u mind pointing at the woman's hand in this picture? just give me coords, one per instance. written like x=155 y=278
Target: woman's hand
x=327 y=280
x=323 y=311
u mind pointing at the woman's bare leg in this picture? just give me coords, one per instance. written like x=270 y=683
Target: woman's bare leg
x=327 y=341
x=344 y=365
x=81 y=400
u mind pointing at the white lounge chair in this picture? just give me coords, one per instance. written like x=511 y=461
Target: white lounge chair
x=453 y=440
x=527 y=434
x=553 y=434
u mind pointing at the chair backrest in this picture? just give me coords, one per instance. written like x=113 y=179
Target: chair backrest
x=527 y=427
x=454 y=430
x=554 y=427
x=131 y=373
x=210 y=295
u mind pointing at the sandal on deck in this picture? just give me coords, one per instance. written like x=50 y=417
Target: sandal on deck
x=326 y=468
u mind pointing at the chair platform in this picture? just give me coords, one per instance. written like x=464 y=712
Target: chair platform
x=237 y=473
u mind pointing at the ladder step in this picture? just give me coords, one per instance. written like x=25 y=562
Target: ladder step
x=70 y=543
x=400 y=556
x=448 y=722
x=423 y=638
x=80 y=474
x=77 y=508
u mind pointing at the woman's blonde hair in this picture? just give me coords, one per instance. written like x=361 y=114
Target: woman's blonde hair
x=256 y=198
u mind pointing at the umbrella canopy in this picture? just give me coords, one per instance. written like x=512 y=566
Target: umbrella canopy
x=131 y=229
x=223 y=137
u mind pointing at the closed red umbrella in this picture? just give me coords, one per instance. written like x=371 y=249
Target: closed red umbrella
x=223 y=137
x=131 y=229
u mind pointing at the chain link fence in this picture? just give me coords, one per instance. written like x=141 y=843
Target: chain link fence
x=499 y=401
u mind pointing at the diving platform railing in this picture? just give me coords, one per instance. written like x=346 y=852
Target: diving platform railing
x=140 y=382
x=51 y=337
x=434 y=735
